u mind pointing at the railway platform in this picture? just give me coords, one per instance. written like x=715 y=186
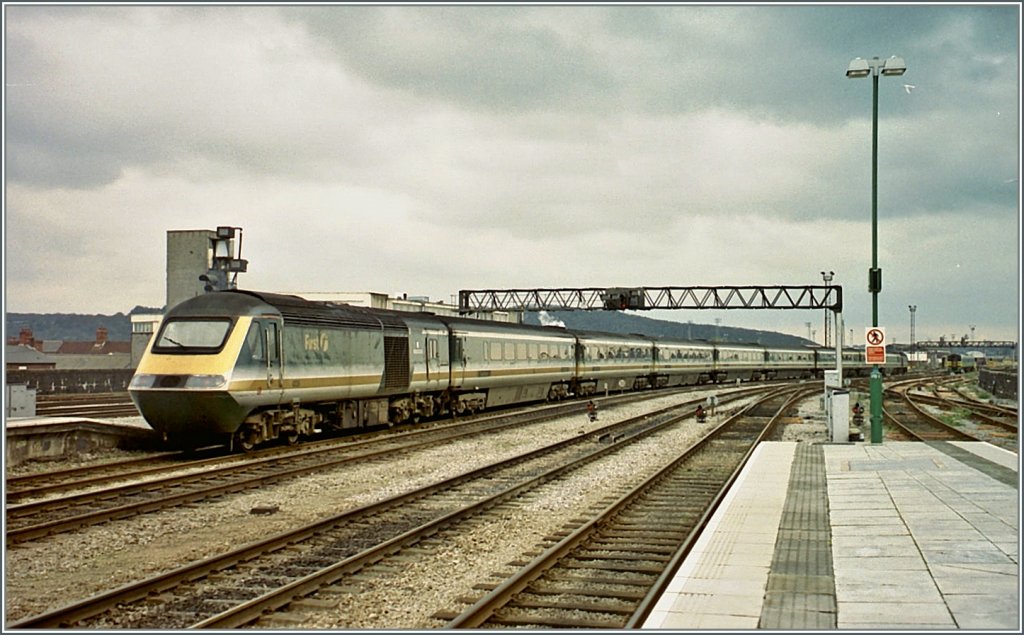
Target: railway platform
x=29 y=438
x=859 y=536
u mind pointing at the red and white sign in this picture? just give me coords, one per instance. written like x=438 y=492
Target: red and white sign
x=874 y=349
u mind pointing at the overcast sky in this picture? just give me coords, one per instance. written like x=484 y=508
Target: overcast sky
x=424 y=150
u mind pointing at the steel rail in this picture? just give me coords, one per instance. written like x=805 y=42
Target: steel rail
x=89 y=607
x=486 y=607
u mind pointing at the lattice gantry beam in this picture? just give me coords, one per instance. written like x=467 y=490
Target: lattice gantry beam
x=646 y=298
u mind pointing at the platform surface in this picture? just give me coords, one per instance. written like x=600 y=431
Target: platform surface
x=890 y=536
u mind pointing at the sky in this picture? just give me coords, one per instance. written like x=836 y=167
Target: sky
x=431 y=149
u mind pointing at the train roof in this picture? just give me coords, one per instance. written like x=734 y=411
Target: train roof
x=218 y=304
x=302 y=312
x=467 y=323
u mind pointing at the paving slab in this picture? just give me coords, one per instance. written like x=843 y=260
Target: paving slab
x=868 y=537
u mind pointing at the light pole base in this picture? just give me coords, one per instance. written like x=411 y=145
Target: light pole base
x=876 y=405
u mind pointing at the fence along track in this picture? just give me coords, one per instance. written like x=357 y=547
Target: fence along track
x=609 y=572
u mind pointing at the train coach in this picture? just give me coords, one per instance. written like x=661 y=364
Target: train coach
x=245 y=368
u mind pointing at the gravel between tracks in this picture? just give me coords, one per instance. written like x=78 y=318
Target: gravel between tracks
x=52 y=572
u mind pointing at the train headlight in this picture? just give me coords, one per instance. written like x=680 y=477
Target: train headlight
x=205 y=381
x=141 y=380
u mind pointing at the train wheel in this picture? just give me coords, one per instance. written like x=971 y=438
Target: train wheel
x=248 y=440
x=291 y=438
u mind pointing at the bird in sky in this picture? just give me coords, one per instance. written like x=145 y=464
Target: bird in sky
x=908 y=87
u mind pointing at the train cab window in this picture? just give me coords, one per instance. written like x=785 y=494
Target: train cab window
x=260 y=345
x=193 y=336
x=253 y=351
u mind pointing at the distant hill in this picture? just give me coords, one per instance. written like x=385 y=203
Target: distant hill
x=616 y=322
x=78 y=327
x=75 y=327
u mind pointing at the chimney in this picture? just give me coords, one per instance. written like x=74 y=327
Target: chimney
x=101 y=336
x=25 y=337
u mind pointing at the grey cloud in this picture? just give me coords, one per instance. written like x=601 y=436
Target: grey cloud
x=657 y=60
x=479 y=57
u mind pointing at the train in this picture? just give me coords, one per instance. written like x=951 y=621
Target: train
x=957 y=364
x=244 y=368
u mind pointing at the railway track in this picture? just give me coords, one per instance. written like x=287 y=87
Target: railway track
x=148 y=488
x=998 y=415
x=39 y=485
x=908 y=418
x=152 y=489
x=1003 y=419
x=608 y=573
x=257 y=581
x=947 y=408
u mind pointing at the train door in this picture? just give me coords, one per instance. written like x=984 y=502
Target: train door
x=261 y=357
x=458 y=360
x=433 y=359
x=429 y=358
x=275 y=361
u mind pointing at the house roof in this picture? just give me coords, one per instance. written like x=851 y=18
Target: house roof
x=94 y=348
x=19 y=354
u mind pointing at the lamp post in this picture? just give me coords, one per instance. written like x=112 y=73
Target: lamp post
x=913 y=310
x=860 y=67
x=827 y=277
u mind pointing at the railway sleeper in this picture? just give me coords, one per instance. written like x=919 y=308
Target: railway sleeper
x=537 y=620
x=587 y=602
x=552 y=588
